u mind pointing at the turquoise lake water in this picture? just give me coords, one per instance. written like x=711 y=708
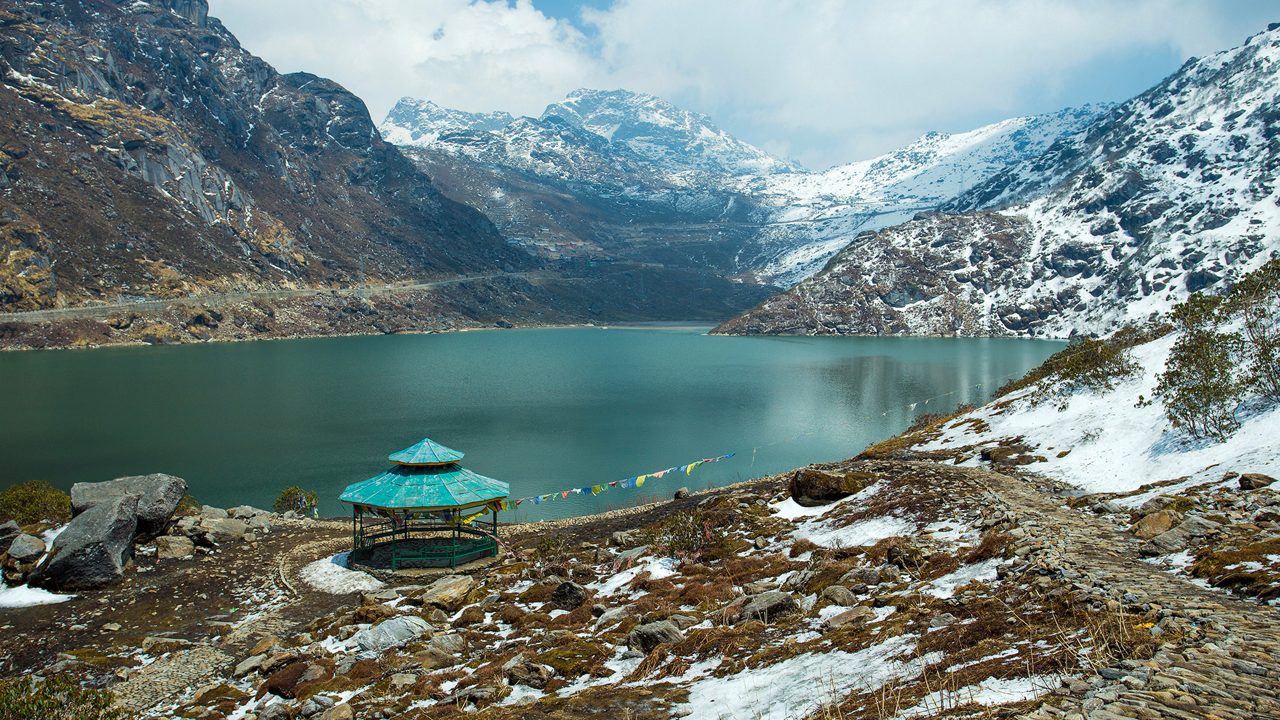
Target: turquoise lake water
x=542 y=409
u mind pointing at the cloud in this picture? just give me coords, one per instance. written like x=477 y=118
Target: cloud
x=824 y=81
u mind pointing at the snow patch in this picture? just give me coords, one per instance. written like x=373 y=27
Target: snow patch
x=332 y=575
x=27 y=596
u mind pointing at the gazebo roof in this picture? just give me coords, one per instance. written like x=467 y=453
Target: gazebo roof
x=425 y=488
x=426 y=452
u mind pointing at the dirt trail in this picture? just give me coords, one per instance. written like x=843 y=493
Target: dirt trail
x=1231 y=671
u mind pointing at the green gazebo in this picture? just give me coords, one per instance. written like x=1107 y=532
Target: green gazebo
x=424 y=511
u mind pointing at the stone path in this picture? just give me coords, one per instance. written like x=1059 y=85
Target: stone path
x=1227 y=667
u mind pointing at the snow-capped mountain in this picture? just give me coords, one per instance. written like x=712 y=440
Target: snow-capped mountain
x=412 y=122
x=671 y=138
x=646 y=171
x=816 y=214
x=1169 y=193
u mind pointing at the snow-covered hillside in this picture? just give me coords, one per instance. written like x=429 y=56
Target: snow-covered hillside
x=770 y=219
x=1169 y=193
x=816 y=214
x=1106 y=442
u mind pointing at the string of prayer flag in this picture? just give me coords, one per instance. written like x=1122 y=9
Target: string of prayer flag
x=593 y=490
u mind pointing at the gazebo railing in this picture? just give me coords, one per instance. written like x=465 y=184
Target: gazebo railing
x=425 y=541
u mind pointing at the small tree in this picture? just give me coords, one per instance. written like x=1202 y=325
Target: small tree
x=296 y=499
x=1199 y=387
x=1256 y=300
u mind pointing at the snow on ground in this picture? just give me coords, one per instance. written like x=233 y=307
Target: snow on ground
x=865 y=532
x=1114 y=446
x=992 y=691
x=26 y=596
x=789 y=509
x=799 y=686
x=331 y=575
x=657 y=568
x=946 y=586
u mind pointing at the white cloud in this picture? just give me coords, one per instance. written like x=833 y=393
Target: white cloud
x=825 y=80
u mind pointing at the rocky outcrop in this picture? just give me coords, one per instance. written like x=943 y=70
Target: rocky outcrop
x=650 y=635
x=391 y=633
x=93 y=549
x=157 y=494
x=148 y=154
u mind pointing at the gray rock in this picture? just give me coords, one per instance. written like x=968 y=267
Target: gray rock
x=650 y=635
x=8 y=531
x=392 y=633
x=860 y=613
x=611 y=617
x=170 y=547
x=213 y=513
x=634 y=553
x=93 y=549
x=26 y=548
x=260 y=524
x=1180 y=537
x=162 y=645
x=569 y=596
x=448 y=592
x=766 y=606
x=684 y=622
x=249 y=664
x=761 y=542
x=158 y=497
x=244 y=512
x=224 y=528
x=682 y=493
x=839 y=595
x=451 y=644
x=624 y=538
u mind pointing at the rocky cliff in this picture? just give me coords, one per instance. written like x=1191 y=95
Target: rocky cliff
x=1164 y=195
x=144 y=153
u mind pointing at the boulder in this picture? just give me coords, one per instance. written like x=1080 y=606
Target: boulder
x=213 y=513
x=624 y=538
x=171 y=547
x=224 y=528
x=681 y=494
x=1254 y=481
x=288 y=680
x=448 y=592
x=158 y=497
x=93 y=549
x=854 y=614
x=1158 y=522
x=569 y=596
x=1179 y=538
x=838 y=595
x=525 y=672
x=341 y=711
x=765 y=606
x=392 y=633
x=26 y=548
x=244 y=512
x=8 y=531
x=811 y=487
x=650 y=635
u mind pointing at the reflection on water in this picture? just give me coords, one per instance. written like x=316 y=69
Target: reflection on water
x=542 y=409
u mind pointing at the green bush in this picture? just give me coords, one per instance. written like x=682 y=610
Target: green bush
x=296 y=499
x=55 y=698
x=33 y=501
x=188 y=505
x=1199 y=386
x=1087 y=364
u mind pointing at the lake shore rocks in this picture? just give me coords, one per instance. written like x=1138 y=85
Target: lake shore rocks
x=158 y=496
x=93 y=549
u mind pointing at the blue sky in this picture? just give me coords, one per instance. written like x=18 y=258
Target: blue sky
x=819 y=81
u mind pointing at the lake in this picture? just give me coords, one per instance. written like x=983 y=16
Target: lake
x=545 y=410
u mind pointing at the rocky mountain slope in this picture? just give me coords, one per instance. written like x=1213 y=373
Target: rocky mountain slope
x=621 y=174
x=1164 y=195
x=145 y=153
